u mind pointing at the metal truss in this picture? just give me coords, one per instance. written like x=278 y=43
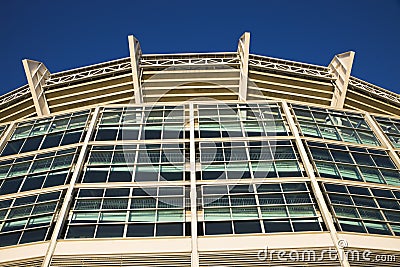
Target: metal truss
x=89 y=72
x=189 y=59
x=370 y=88
x=15 y=94
x=202 y=59
x=290 y=66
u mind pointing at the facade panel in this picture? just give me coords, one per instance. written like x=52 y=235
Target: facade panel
x=197 y=170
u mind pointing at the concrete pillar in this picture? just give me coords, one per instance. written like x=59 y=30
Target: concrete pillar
x=243 y=52
x=340 y=66
x=135 y=53
x=37 y=74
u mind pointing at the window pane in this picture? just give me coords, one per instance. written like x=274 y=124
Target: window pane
x=288 y=168
x=327 y=170
x=301 y=211
x=216 y=228
x=349 y=172
x=377 y=228
x=309 y=225
x=31 y=144
x=112 y=217
x=33 y=235
x=273 y=211
x=169 y=229
x=170 y=216
x=140 y=230
x=38 y=221
x=371 y=214
x=391 y=177
x=52 y=140
x=217 y=214
x=247 y=227
x=277 y=226
x=297 y=198
x=59 y=125
x=21 y=132
x=348 y=212
x=372 y=175
x=142 y=216
x=85 y=217
x=244 y=213
x=32 y=183
x=81 y=231
x=320 y=154
x=352 y=226
x=341 y=156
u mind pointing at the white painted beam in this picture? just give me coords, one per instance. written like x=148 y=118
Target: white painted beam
x=193 y=192
x=63 y=213
x=326 y=215
x=243 y=52
x=37 y=74
x=135 y=53
x=340 y=66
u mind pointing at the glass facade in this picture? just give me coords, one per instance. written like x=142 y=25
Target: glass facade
x=391 y=128
x=47 y=133
x=137 y=171
x=258 y=208
x=365 y=210
x=36 y=172
x=141 y=123
x=28 y=219
x=129 y=212
x=251 y=159
x=334 y=125
x=353 y=163
x=237 y=120
x=135 y=162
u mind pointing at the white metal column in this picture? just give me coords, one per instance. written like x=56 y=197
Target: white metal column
x=243 y=52
x=37 y=74
x=326 y=215
x=63 y=213
x=340 y=66
x=193 y=192
x=135 y=53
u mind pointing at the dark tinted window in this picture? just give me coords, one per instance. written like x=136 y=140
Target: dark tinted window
x=215 y=228
x=277 y=226
x=110 y=231
x=140 y=230
x=81 y=231
x=246 y=227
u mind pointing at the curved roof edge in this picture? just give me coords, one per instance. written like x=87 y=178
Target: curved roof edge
x=14 y=94
x=253 y=60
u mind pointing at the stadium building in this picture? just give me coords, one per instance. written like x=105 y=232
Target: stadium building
x=200 y=159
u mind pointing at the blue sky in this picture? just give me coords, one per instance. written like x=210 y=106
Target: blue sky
x=70 y=34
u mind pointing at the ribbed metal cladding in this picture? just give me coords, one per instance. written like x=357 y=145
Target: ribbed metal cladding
x=181 y=77
x=109 y=82
x=251 y=258
x=170 y=259
x=32 y=262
